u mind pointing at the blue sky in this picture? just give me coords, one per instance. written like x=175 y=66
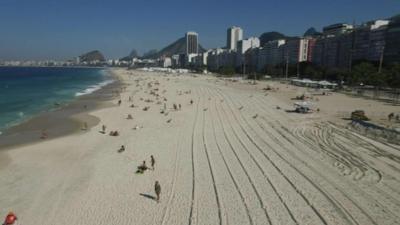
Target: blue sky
x=61 y=29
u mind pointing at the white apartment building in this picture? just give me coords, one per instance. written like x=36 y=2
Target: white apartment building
x=201 y=59
x=166 y=62
x=190 y=58
x=218 y=58
x=234 y=34
x=246 y=44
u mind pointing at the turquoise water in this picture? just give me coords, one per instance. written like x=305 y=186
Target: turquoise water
x=27 y=91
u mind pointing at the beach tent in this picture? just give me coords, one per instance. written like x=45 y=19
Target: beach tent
x=326 y=84
x=303 y=107
x=313 y=84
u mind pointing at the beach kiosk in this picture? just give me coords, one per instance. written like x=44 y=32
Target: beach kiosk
x=303 y=107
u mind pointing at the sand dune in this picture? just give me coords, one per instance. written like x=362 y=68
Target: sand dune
x=216 y=161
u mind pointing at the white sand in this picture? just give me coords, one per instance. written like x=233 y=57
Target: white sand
x=216 y=164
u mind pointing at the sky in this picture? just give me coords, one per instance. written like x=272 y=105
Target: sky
x=63 y=29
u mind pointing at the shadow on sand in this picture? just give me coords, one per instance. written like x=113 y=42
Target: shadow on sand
x=148 y=196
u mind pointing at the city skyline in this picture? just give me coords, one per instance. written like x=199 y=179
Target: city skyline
x=65 y=30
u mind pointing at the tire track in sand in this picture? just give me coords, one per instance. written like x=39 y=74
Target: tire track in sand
x=173 y=182
x=330 y=199
x=275 y=166
x=211 y=172
x=331 y=183
x=193 y=167
x=262 y=205
x=230 y=172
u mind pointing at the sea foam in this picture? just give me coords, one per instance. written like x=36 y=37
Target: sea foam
x=94 y=88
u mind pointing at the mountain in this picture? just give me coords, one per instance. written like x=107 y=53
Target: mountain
x=271 y=36
x=177 y=47
x=92 y=56
x=132 y=55
x=312 y=32
x=150 y=53
x=395 y=17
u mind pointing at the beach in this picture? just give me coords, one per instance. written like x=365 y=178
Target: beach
x=232 y=156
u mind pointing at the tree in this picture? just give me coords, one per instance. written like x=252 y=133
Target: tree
x=361 y=73
x=393 y=76
x=227 y=71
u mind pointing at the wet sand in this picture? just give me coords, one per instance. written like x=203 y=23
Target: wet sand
x=64 y=120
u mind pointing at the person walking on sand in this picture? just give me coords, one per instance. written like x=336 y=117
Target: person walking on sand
x=152 y=161
x=119 y=102
x=85 y=126
x=10 y=219
x=103 y=128
x=44 y=134
x=157 y=189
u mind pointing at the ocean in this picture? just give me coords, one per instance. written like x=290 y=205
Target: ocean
x=27 y=91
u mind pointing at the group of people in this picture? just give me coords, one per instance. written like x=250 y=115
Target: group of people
x=114 y=133
x=144 y=167
x=391 y=116
x=176 y=107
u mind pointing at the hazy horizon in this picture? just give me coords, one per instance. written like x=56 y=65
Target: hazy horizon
x=65 y=29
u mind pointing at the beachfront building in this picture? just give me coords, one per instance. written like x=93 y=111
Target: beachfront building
x=252 y=57
x=218 y=58
x=271 y=54
x=234 y=34
x=297 y=50
x=377 y=41
x=190 y=59
x=178 y=60
x=244 y=45
x=337 y=29
x=392 y=41
x=212 y=59
x=201 y=59
x=192 y=43
x=369 y=40
x=165 y=62
x=341 y=48
x=175 y=61
x=332 y=51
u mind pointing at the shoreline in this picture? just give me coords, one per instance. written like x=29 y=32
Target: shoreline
x=66 y=120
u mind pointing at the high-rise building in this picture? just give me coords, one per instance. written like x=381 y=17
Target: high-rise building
x=297 y=50
x=234 y=34
x=192 y=43
x=369 y=39
x=333 y=51
x=271 y=53
x=377 y=42
x=392 y=41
